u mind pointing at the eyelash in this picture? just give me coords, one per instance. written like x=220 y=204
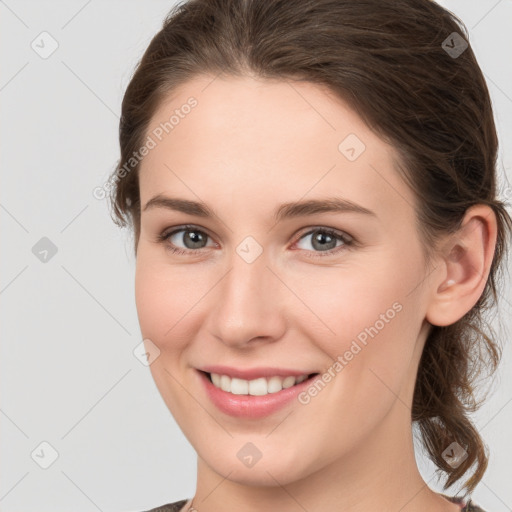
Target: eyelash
x=347 y=240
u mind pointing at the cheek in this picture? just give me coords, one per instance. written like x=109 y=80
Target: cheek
x=149 y=298
x=163 y=296
x=161 y=302
x=368 y=319
x=344 y=303
x=157 y=309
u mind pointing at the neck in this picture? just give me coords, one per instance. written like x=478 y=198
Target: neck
x=381 y=474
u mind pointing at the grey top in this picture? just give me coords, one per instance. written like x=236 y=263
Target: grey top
x=468 y=506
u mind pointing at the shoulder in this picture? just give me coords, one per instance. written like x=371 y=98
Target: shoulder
x=472 y=507
x=465 y=506
x=170 y=507
x=178 y=505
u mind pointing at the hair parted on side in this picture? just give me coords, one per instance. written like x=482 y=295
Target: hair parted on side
x=386 y=59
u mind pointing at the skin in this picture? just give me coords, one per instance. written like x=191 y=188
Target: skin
x=248 y=146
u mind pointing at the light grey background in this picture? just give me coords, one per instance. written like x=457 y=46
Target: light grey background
x=69 y=325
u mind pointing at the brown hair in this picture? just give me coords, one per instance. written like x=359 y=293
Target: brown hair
x=393 y=61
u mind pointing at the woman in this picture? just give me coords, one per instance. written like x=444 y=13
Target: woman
x=312 y=191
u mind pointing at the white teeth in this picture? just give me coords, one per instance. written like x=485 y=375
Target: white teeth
x=274 y=384
x=239 y=387
x=216 y=379
x=256 y=387
x=288 y=382
x=225 y=383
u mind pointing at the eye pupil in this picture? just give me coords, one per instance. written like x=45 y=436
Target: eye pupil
x=323 y=239
x=195 y=237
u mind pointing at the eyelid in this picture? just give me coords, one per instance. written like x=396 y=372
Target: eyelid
x=347 y=239
x=166 y=234
x=338 y=232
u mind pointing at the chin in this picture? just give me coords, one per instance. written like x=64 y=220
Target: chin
x=272 y=472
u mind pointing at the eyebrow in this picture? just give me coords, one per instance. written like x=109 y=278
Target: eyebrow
x=284 y=211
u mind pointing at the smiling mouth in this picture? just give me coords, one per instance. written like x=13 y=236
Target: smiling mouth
x=256 y=387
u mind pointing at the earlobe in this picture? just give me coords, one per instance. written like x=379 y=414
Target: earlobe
x=466 y=261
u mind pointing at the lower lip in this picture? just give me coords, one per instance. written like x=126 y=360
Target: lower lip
x=250 y=406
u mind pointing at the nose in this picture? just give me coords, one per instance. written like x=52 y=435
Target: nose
x=249 y=304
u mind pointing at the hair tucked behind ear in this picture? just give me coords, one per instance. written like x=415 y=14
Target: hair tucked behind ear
x=393 y=61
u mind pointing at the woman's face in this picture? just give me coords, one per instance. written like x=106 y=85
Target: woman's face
x=263 y=286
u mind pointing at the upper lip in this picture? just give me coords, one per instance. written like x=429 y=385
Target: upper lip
x=253 y=373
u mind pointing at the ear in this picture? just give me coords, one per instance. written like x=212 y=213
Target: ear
x=463 y=268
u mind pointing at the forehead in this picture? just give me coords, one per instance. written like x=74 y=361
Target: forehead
x=272 y=140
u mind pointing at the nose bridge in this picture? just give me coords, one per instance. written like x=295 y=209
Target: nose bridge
x=246 y=286
x=248 y=304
